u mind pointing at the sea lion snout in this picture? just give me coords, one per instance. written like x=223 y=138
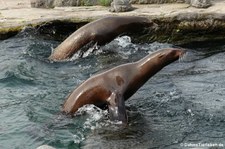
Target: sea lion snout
x=169 y=55
x=182 y=55
x=171 y=52
x=176 y=52
x=180 y=52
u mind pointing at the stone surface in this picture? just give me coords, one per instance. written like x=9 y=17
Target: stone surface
x=175 y=20
x=42 y=3
x=116 y=6
x=200 y=3
x=121 y=6
x=61 y=3
x=155 y=1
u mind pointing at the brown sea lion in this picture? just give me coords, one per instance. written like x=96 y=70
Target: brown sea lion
x=112 y=88
x=101 y=32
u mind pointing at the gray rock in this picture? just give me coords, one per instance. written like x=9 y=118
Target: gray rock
x=156 y=1
x=120 y=6
x=116 y=5
x=42 y=3
x=200 y=3
x=61 y=3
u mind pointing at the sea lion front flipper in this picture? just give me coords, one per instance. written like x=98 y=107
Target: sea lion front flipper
x=116 y=107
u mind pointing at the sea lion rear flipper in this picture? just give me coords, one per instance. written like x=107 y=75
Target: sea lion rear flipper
x=116 y=107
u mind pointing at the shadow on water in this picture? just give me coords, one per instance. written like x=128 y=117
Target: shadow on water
x=184 y=103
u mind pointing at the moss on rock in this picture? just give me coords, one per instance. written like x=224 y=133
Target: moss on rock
x=9 y=31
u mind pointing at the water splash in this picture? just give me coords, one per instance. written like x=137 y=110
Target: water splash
x=123 y=41
x=78 y=138
x=93 y=115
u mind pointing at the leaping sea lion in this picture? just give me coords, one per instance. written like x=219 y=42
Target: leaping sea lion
x=112 y=88
x=101 y=32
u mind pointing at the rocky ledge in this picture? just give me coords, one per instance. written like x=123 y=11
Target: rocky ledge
x=178 y=23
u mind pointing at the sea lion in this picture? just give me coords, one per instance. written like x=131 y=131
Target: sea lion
x=112 y=88
x=100 y=31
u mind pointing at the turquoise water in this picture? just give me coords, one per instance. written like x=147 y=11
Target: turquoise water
x=184 y=103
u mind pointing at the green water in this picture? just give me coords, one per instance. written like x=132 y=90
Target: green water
x=184 y=103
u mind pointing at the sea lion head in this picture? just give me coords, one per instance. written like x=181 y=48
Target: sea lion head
x=170 y=55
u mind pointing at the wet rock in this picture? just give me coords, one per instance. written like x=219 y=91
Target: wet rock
x=120 y=6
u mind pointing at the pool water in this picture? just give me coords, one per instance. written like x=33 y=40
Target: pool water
x=181 y=105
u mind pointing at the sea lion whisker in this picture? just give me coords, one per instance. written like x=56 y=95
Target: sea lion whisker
x=183 y=56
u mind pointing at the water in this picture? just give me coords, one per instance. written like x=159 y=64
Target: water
x=184 y=103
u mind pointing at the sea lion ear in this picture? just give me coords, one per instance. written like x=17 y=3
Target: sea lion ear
x=116 y=107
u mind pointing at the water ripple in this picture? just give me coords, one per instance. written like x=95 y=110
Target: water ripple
x=182 y=103
x=12 y=79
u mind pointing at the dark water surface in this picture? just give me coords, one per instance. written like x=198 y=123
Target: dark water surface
x=184 y=103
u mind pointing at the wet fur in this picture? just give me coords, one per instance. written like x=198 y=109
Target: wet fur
x=113 y=87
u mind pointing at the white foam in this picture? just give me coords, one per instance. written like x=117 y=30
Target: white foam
x=94 y=116
x=78 y=138
x=123 y=41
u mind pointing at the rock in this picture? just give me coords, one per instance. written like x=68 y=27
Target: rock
x=155 y=1
x=199 y=3
x=120 y=6
x=61 y=3
x=116 y=5
x=42 y=3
